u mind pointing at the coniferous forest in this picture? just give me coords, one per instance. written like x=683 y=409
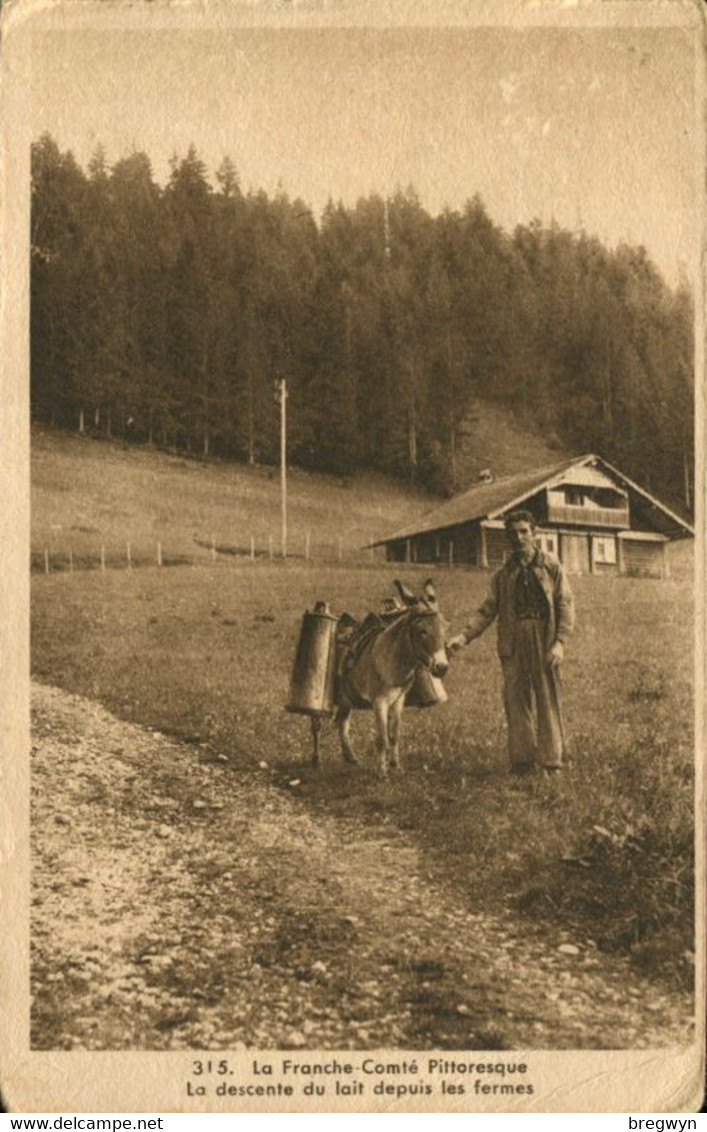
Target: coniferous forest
x=165 y=315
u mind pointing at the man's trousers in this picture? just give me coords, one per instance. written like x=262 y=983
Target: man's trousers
x=531 y=696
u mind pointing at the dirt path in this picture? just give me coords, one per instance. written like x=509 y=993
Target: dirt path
x=178 y=903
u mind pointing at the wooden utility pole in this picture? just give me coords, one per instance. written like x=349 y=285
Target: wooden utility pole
x=282 y=398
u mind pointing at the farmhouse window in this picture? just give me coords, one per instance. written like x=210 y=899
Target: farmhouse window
x=604 y=550
x=548 y=542
x=607 y=497
x=574 y=497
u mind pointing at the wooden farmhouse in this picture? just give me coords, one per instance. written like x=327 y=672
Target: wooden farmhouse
x=589 y=515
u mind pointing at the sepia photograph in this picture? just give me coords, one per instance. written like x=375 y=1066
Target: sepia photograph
x=353 y=556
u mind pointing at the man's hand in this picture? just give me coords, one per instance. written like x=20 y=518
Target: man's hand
x=556 y=655
x=455 y=643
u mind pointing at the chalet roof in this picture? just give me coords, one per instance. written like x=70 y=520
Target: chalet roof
x=491 y=500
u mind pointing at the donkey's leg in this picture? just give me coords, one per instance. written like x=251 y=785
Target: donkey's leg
x=316 y=721
x=343 y=721
x=380 y=708
x=394 y=718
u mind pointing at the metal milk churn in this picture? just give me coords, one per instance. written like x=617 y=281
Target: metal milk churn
x=314 y=669
x=426 y=691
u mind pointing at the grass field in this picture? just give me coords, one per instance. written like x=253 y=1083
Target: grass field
x=204 y=652
x=88 y=493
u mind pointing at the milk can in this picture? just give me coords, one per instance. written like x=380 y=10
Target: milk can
x=427 y=690
x=314 y=669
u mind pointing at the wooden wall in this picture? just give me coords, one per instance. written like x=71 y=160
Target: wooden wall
x=643 y=558
x=636 y=556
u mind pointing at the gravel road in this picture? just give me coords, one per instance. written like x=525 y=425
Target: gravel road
x=180 y=903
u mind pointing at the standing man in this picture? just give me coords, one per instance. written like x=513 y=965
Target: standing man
x=532 y=600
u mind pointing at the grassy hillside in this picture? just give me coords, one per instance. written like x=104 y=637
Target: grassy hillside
x=493 y=437
x=86 y=493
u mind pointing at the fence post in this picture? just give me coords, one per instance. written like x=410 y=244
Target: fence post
x=46 y=561
x=129 y=557
x=270 y=547
x=213 y=549
x=306 y=546
x=370 y=549
x=103 y=558
x=159 y=553
x=252 y=548
x=340 y=546
x=71 y=561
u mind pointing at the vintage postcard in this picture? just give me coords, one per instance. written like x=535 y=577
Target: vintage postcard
x=353 y=556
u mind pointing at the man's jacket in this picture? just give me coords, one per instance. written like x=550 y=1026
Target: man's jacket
x=500 y=603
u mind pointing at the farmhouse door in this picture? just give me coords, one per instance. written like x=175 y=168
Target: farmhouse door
x=644 y=558
x=575 y=554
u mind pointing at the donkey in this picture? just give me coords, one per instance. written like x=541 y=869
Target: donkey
x=379 y=671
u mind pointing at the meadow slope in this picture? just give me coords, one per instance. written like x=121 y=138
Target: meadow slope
x=87 y=493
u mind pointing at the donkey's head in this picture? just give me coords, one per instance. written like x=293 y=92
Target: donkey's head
x=427 y=628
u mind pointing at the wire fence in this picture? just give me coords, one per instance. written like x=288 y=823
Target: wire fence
x=129 y=554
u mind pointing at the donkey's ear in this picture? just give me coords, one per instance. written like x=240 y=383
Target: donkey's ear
x=429 y=592
x=406 y=594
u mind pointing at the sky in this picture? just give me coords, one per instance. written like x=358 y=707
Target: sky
x=594 y=128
